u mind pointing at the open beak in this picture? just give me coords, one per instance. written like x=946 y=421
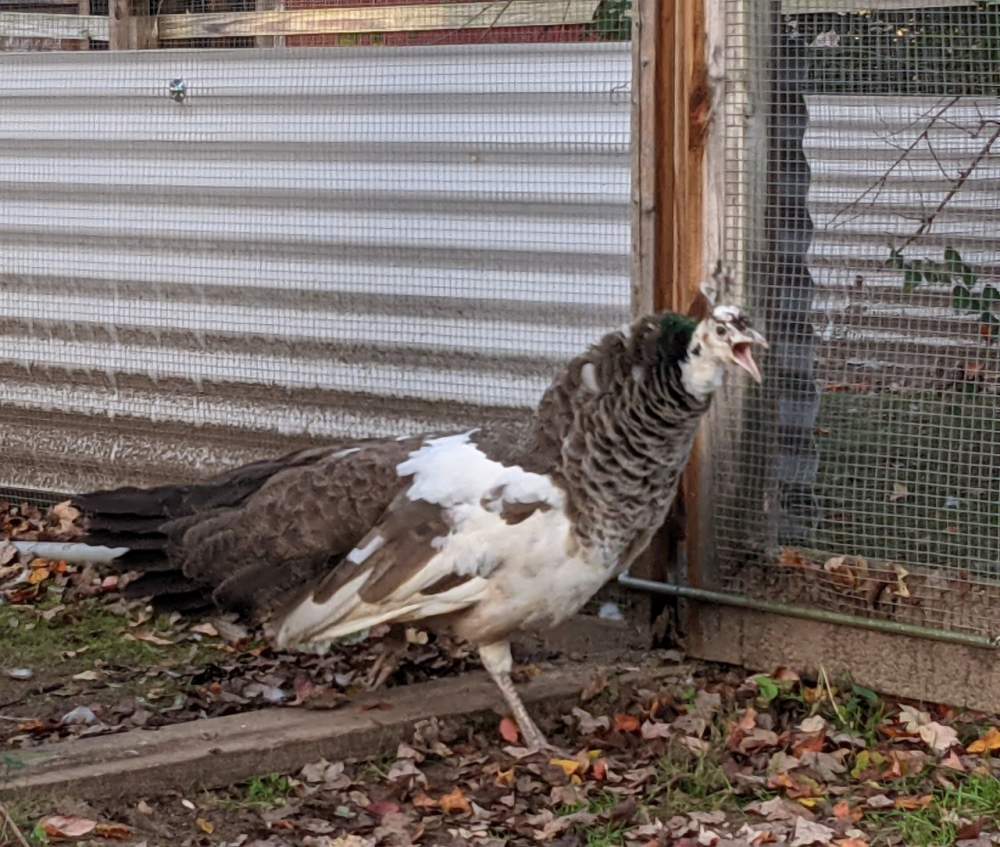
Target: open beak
x=743 y=355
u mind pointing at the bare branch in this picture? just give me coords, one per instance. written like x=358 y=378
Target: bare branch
x=959 y=182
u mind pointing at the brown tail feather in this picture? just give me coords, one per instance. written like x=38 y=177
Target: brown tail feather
x=151 y=521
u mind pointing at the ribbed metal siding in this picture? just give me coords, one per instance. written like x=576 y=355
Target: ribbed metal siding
x=866 y=195
x=314 y=243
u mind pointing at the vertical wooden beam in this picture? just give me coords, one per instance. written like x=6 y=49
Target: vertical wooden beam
x=645 y=20
x=83 y=8
x=679 y=216
x=269 y=40
x=682 y=121
x=128 y=31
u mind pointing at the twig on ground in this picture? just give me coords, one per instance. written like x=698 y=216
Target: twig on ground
x=8 y=823
x=829 y=692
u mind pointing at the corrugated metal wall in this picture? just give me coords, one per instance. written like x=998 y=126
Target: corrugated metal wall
x=880 y=167
x=312 y=243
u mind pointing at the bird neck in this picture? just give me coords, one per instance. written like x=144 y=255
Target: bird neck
x=701 y=373
x=615 y=428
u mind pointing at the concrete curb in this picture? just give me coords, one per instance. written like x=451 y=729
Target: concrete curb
x=220 y=751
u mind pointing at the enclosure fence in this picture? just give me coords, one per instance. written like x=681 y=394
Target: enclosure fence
x=208 y=256
x=863 y=172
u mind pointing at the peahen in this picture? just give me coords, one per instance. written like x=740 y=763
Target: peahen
x=461 y=530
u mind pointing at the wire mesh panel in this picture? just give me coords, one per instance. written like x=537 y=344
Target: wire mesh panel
x=207 y=255
x=866 y=475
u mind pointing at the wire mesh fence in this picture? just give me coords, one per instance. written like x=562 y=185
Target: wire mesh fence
x=210 y=255
x=866 y=475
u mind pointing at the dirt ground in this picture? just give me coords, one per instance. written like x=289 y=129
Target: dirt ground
x=682 y=754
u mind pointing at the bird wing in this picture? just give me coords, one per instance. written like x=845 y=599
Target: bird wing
x=252 y=537
x=459 y=517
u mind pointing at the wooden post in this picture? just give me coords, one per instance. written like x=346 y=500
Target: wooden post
x=269 y=40
x=128 y=31
x=644 y=153
x=679 y=216
x=83 y=8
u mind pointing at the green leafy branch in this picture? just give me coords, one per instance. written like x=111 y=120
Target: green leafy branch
x=968 y=293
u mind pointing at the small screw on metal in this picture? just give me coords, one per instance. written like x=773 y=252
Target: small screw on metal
x=178 y=90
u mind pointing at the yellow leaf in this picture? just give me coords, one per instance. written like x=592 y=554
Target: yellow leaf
x=568 y=766
x=38 y=575
x=809 y=802
x=454 y=802
x=205 y=826
x=505 y=779
x=988 y=743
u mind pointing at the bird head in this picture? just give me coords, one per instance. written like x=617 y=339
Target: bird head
x=726 y=337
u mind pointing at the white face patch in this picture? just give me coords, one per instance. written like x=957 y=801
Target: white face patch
x=725 y=314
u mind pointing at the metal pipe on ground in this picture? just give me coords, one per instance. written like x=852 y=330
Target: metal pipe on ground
x=75 y=554
x=723 y=599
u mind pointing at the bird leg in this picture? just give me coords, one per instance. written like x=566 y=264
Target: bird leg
x=497 y=660
x=393 y=649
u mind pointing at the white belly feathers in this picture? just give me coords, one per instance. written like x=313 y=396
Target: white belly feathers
x=468 y=533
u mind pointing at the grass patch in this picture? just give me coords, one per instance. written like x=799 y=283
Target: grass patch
x=689 y=782
x=29 y=640
x=977 y=798
x=261 y=792
x=942 y=447
x=606 y=833
x=270 y=790
x=23 y=814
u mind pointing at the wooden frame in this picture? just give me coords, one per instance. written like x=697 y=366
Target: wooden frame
x=678 y=206
x=126 y=31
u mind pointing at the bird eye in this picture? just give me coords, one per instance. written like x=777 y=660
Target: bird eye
x=720 y=330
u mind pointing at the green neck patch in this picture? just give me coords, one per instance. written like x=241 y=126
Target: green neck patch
x=675 y=335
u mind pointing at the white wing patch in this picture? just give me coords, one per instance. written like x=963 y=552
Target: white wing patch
x=460 y=493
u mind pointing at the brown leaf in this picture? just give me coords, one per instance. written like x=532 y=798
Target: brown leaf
x=509 y=731
x=381 y=808
x=38 y=575
x=205 y=825
x=988 y=743
x=455 y=802
x=809 y=832
x=748 y=720
x=792 y=558
x=911 y=804
x=843 y=811
x=598 y=682
x=952 y=762
x=627 y=723
x=424 y=801
x=68 y=826
x=148 y=637
x=505 y=779
x=972 y=830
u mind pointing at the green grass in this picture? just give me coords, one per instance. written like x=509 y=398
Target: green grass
x=606 y=833
x=687 y=782
x=261 y=792
x=977 y=797
x=28 y=640
x=270 y=790
x=936 y=446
